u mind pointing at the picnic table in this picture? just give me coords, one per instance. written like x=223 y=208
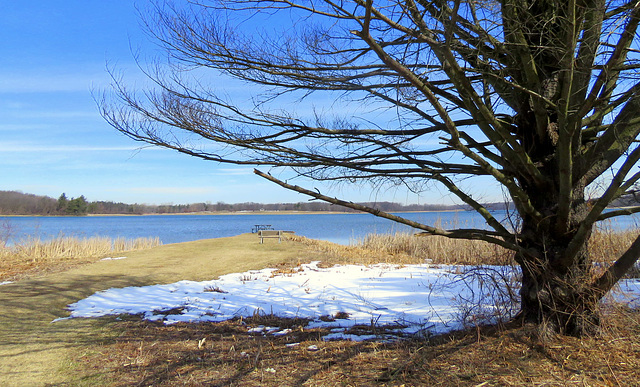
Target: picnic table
x=259 y=227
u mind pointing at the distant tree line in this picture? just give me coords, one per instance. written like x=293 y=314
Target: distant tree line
x=18 y=203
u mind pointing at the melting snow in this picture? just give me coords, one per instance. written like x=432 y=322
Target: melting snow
x=407 y=300
x=112 y=259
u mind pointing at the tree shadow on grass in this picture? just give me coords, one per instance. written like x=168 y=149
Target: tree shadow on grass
x=220 y=354
x=225 y=354
x=31 y=344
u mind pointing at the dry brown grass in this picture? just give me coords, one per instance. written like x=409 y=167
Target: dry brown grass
x=36 y=352
x=36 y=256
x=607 y=245
x=224 y=354
x=438 y=249
x=406 y=248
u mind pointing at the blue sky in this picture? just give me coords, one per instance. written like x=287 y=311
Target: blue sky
x=52 y=139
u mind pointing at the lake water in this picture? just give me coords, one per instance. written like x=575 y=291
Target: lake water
x=339 y=228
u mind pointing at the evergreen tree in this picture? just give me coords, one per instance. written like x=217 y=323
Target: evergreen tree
x=63 y=202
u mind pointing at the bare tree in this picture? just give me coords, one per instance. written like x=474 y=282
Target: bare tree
x=541 y=96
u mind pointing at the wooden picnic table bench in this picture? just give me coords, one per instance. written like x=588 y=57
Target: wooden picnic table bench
x=270 y=234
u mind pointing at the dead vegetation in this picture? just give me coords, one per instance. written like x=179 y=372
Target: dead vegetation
x=34 y=256
x=407 y=248
x=225 y=354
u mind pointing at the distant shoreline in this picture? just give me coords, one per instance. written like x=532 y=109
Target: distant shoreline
x=228 y=213
x=285 y=212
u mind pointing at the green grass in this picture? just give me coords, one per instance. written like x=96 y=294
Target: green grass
x=35 y=352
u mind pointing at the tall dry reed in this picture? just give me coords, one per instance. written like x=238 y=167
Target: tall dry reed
x=34 y=254
x=404 y=248
x=437 y=249
x=72 y=247
x=605 y=246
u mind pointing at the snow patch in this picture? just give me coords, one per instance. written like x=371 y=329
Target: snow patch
x=404 y=300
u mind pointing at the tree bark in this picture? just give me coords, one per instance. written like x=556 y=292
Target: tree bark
x=558 y=297
x=558 y=302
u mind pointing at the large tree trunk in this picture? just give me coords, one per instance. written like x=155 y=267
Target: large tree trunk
x=557 y=301
x=556 y=294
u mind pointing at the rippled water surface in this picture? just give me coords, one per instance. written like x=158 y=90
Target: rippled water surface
x=339 y=228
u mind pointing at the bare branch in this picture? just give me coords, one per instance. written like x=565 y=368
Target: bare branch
x=475 y=234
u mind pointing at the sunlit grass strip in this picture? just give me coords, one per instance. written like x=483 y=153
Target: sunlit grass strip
x=607 y=245
x=437 y=249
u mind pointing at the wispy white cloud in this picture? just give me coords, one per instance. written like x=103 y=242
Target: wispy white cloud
x=65 y=148
x=13 y=105
x=56 y=114
x=74 y=77
x=233 y=172
x=23 y=127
